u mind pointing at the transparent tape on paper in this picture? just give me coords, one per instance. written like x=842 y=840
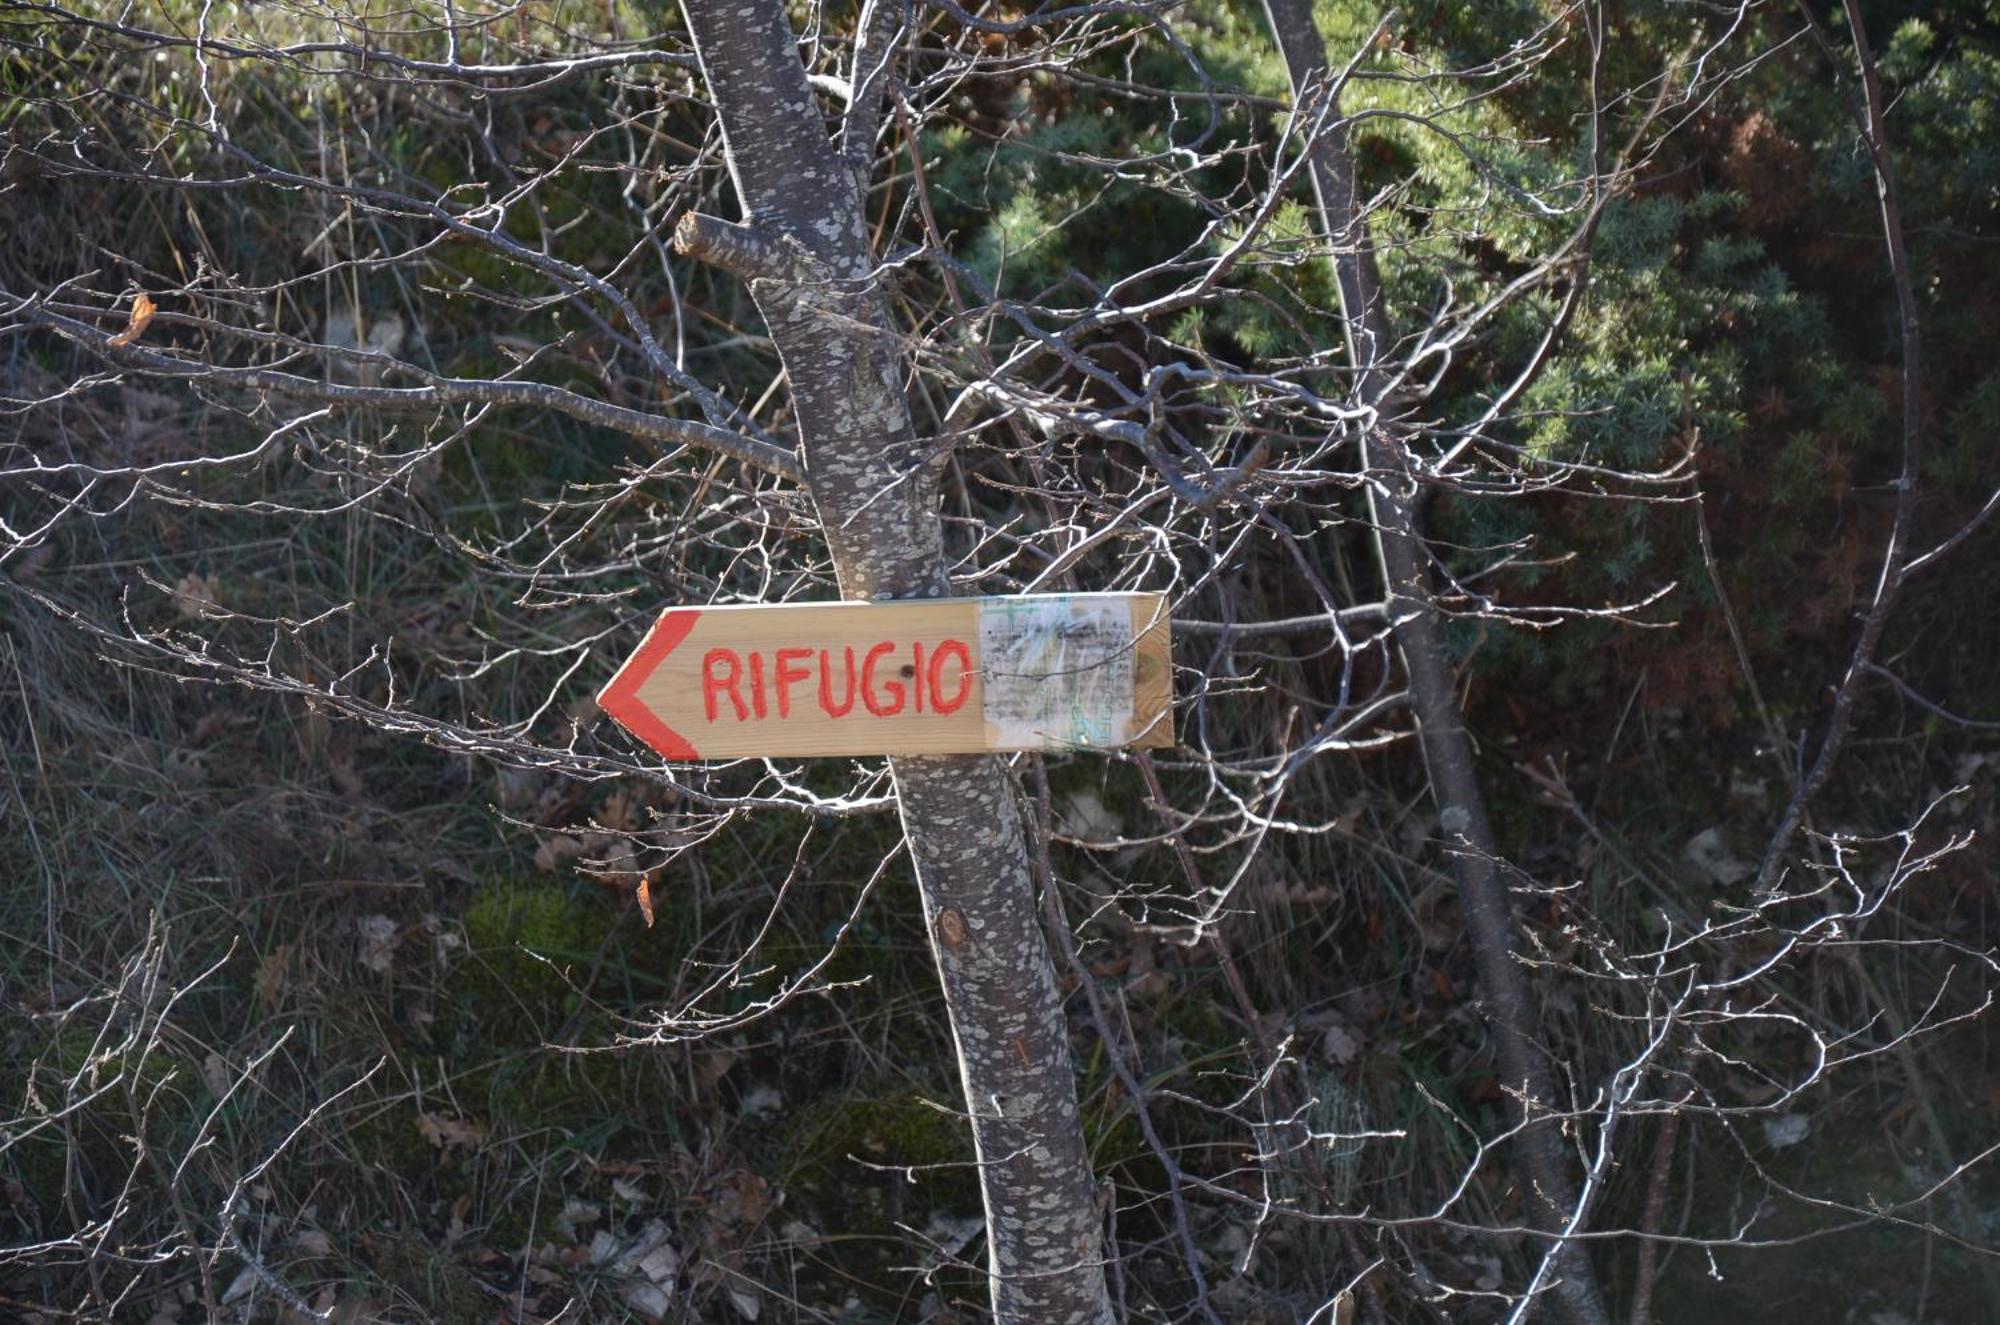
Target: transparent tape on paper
x=1057 y=670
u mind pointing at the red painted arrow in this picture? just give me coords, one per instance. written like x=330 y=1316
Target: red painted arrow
x=621 y=698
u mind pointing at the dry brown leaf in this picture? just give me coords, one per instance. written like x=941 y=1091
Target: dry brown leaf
x=1754 y=1093
x=345 y=777
x=142 y=313
x=516 y=788
x=646 y=898
x=322 y=1305
x=557 y=850
x=241 y=1286
x=618 y=812
x=450 y=1132
x=714 y=1065
x=312 y=1242
x=195 y=596
x=378 y=942
x=273 y=977
x=745 y=1198
x=1339 y=1046
x=357 y=1309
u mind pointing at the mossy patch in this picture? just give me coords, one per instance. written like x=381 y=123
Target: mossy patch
x=445 y=1288
x=530 y=944
x=890 y=1127
x=102 y=1086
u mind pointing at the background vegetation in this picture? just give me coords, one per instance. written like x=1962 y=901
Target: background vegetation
x=235 y=926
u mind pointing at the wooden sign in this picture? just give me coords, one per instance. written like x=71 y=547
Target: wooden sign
x=914 y=676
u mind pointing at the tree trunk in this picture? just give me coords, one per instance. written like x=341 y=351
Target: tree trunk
x=804 y=250
x=1394 y=496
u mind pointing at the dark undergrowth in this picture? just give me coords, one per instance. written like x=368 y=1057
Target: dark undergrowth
x=301 y=1016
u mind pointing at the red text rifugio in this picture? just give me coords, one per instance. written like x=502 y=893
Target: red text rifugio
x=750 y=684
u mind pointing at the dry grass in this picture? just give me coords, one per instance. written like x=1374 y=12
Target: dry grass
x=294 y=1014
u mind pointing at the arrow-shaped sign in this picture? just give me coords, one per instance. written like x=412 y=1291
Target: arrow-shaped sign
x=916 y=676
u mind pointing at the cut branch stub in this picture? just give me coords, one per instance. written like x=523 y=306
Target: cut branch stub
x=746 y=251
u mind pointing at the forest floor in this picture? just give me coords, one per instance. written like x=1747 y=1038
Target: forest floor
x=352 y=991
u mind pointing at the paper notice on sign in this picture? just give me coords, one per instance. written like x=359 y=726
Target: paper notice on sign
x=1057 y=670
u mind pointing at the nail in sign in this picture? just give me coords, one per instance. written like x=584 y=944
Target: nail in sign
x=915 y=676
